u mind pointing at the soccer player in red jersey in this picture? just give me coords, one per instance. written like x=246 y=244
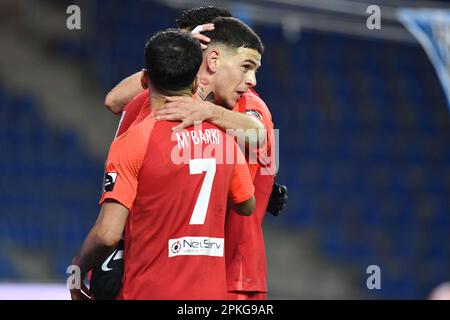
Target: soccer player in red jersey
x=245 y=254
x=172 y=213
x=246 y=262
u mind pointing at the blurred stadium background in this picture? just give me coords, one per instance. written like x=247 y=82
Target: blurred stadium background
x=364 y=141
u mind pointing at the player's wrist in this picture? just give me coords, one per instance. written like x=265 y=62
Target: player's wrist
x=213 y=112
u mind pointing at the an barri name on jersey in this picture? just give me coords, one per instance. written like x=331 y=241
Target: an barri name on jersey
x=206 y=136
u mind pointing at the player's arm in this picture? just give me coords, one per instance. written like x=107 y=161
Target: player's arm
x=245 y=208
x=120 y=188
x=120 y=95
x=101 y=240
x=128 y=88
x=242 y=190
x=189 y=110
x=246 y=127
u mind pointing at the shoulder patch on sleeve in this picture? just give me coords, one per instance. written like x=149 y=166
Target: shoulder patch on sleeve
x=254 y=113
x=109 y=181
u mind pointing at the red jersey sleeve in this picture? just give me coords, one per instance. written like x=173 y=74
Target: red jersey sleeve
x=252 y=105
x=241 y=188
x=134 y=110
x=124 y=162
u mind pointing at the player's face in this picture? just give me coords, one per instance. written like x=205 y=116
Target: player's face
x=236 y=73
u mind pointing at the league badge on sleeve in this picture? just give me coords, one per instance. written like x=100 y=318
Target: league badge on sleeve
x=254 y=113
x=109 y=181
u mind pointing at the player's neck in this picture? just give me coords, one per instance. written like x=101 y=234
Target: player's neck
x=205 y=90
x=205 y=93
x=158 y=99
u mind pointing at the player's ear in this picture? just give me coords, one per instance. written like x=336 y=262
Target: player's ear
x=195 y=85
x=212 y=60
x=144 y=79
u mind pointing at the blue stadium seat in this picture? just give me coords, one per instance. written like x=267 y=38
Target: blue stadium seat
x=8 y=270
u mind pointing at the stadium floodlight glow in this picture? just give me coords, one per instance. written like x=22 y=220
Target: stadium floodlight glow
x=291 y=26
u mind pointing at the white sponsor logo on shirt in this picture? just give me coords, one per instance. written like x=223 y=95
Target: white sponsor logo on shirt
x=196 y=246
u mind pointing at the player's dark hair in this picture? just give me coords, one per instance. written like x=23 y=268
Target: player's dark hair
x=191 y=18
x=172 y=59
x=235 y=34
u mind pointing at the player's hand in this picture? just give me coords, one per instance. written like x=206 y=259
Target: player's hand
x=278 y=199
x=204 y=40
x=81 y=294
x=185 y=109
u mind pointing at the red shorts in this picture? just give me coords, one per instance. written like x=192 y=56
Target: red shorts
x=247 y=295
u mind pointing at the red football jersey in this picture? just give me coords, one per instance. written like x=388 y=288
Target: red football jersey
x=134 y=112
x=246 y=260
x=176 y=187
x=245 y=253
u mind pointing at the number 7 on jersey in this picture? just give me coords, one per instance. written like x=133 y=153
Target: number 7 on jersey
x=197 y=166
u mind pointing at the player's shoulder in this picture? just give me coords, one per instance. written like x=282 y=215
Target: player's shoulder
x=137 y=101
x=144 y=94
x=131 y=146
x=252 y=99
x=138 y=132
x=254 y=105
